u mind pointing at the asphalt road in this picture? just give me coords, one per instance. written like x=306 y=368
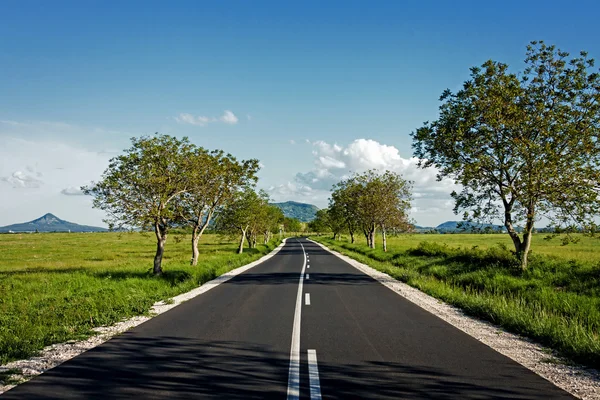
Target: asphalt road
x=308 y=325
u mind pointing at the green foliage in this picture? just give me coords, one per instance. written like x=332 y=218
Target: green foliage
x=320 y=224
x=556 y=301
x=292 y=225
x=138 y=188
x=369 y=201
x=57 y=287
x=521 y=145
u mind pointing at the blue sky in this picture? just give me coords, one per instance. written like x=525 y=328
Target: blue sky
x=312 y=89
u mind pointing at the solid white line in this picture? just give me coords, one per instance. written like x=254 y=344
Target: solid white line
x=307 y=276
x=307 y=299
x=313 y=375
x=293 y=392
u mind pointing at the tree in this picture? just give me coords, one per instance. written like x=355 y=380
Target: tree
x=523 y=145
x=383 y=200
x=320 y=223
x=273 y=217
x=240 y=215
x=291 y=225
x=392 y=195
x=139 y=188
x=335 y=220
x=344 y=199
x=214 y=179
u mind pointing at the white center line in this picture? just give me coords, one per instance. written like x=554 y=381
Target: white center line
x=313 y=375
x=308 y=266
x=307 y=299
x=307 y=276
x=293 y=392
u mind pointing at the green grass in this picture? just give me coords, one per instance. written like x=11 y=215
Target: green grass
x=556 y=301
x=57 y=287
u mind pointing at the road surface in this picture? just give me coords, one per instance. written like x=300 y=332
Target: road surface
x=302 y=324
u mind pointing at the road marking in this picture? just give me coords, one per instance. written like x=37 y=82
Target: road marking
x=307 y=299
x=307 y=276
x=313 y=375
x=308 y=266
x=293 y=392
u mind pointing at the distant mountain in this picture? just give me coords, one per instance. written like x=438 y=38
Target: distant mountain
x=50 y=223
x=464 y=226
x=301 y=211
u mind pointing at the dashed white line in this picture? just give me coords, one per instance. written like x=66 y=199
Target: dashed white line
x=307 y=276
x=313 y=375
x=293 y=392
x=307 y=299
x=308 y=266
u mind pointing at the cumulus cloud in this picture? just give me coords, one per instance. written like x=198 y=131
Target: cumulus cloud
x=293 y=190
x=334 y=162
x=228 y=117
x=72 y=191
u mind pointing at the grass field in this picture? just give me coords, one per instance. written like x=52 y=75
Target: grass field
x=556 y=301
x=586 y=249
x=56 y=287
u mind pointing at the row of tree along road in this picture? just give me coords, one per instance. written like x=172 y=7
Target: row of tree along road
x=162 y=182
x=520 y=146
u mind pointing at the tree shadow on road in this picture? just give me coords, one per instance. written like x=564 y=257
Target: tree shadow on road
x=135 y=366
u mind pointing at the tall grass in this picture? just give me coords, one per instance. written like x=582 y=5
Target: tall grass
x=556 y=301
x=57 y=287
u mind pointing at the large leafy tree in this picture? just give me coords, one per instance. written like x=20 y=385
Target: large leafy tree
x=139 y=188
x=214 y=180
x=522 y=145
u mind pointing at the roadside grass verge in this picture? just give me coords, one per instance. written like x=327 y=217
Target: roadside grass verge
x=556 y=301
x=57 y=287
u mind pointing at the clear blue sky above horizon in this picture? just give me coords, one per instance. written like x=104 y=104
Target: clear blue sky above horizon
x=79 y=78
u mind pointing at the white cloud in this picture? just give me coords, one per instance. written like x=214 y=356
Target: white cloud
x=19 y=179
x=333 y=162
x=185 y=118
x=229 y=118
x=292 y=142
x=72 y=191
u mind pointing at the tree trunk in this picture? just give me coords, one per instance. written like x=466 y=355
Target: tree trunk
x=161 y=238
x=527 y=233
x=384 y=238
x=241 y=247
x=372 y=238
x=197 y=232
x=195 y=252
x=351 y=237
